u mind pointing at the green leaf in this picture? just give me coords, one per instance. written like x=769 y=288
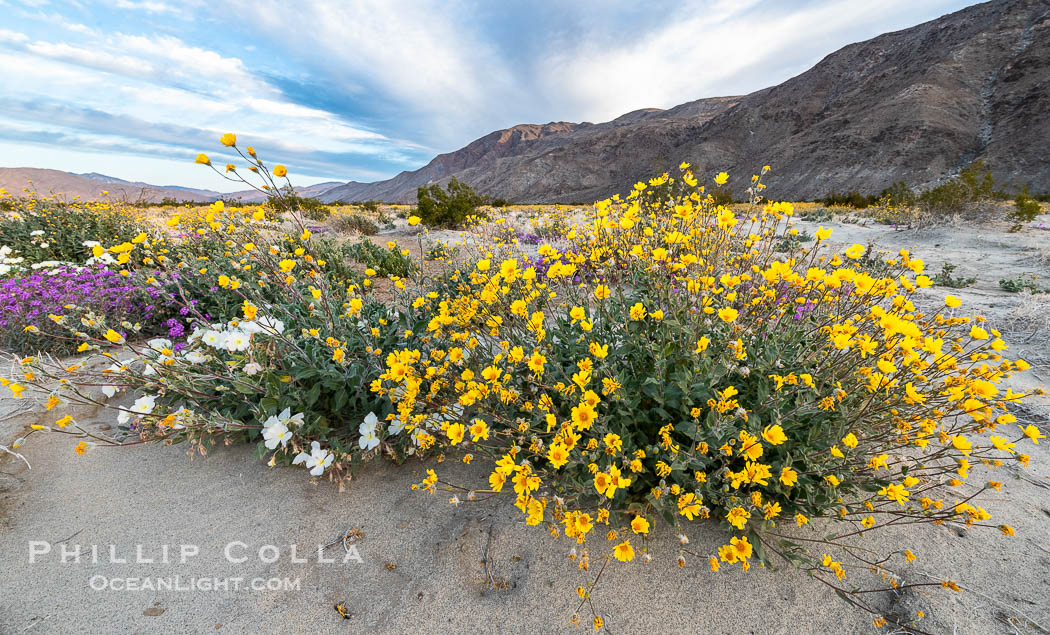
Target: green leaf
x=244 y=389
x=310 y=398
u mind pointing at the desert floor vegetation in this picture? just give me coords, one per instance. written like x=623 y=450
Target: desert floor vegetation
x=656 y=380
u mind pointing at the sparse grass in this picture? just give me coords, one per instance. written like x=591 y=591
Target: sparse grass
x=946 y=279
x=354 y=223
x=385 y=262
x=816 y=215
x=1024 y=282
x=1030 y=318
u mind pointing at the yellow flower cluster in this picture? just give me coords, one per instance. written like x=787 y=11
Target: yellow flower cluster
x=788 y=342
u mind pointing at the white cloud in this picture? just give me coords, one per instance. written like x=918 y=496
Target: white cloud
x=165 y=81
x=149 y=6
x=721 y=50
x=12 y=37
x=55 y=18
x=171 y=56
x=123 y=64
x=415 y=54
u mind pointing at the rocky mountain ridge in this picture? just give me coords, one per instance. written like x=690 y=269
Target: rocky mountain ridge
x=914 y=105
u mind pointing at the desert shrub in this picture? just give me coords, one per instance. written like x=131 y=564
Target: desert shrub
x=793 y=239
x=899 y=194
x=317 y=213
x=355 y=224
x=978 y=178
x=385 y=262
x=698 y=375
x=1025 y=210
x=946 y=278
x=722 y=195
x=441 y=251
x=818 y=215
x=370 y=206
x=894 y=211
x=311 y=208
x=854 y=199
x=971 y=185
x=551 y=227
x=1023 y=282
x=947 y=197
x=449 y=207
x=293 y=340
x=666 y=363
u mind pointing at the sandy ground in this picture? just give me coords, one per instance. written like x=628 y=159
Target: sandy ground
x=424 y=564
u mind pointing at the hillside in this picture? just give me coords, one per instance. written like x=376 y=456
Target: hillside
x=913 y=106
x=67 y=185
x=553 y=145
x=92 y=186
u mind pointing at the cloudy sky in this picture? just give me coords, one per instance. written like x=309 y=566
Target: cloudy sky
x=360 y=90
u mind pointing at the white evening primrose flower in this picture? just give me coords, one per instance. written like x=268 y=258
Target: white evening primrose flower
x=195 y=357
x=269 y=324
x=316 y=461
x=237 y=341
x=143 y=406
x=287 y=418
x=252 y=368
x=214 y=339
x=275 y=433
x=368 y=440
x=159 y=346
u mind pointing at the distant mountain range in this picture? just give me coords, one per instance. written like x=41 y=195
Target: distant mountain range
x=93 y=185
x=915 y=105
